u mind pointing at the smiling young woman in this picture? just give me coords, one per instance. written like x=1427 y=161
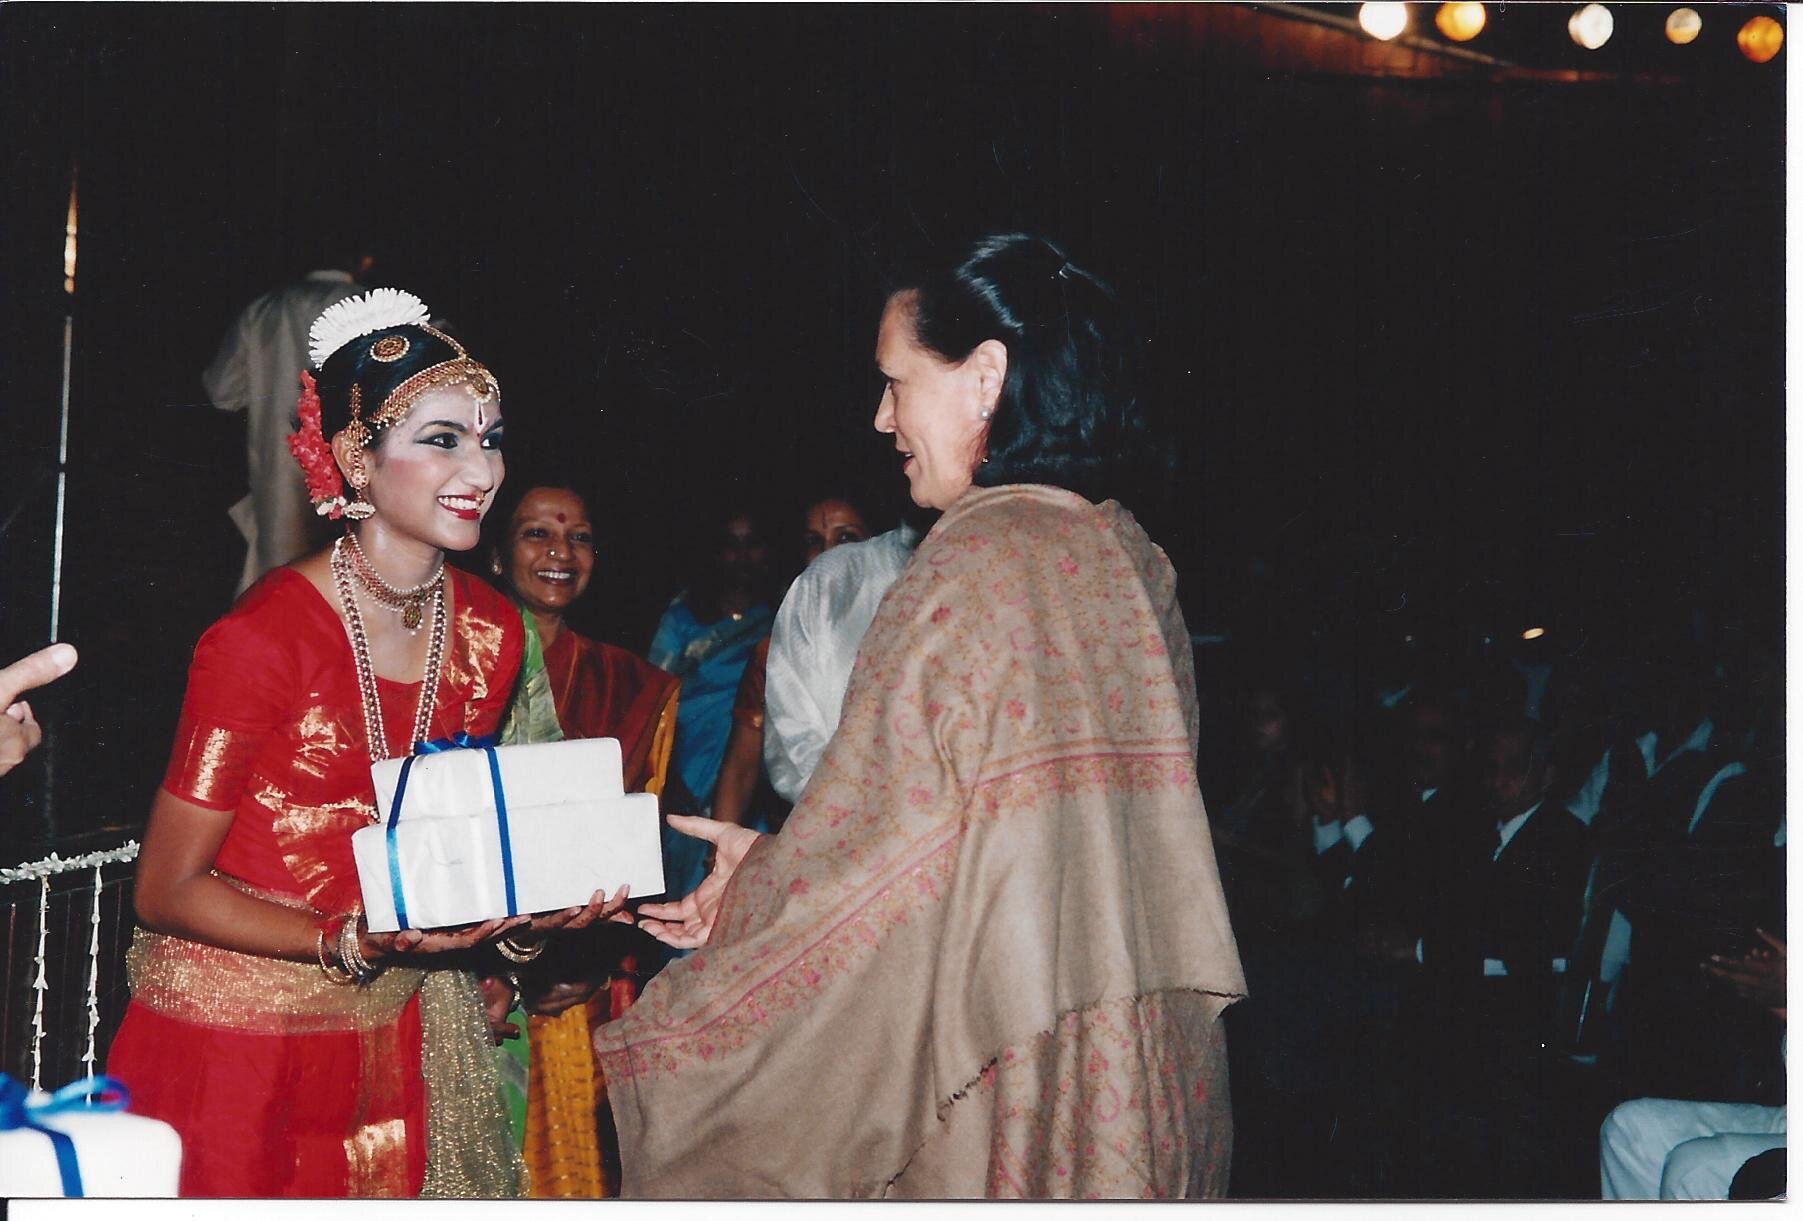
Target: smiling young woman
x=291 y=1048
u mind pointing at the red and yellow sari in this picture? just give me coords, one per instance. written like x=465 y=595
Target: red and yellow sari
x=597 y=691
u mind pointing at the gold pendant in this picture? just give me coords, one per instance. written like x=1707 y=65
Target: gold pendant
x=411 y=617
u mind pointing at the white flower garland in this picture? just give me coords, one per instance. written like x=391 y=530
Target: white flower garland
x=53 y=864
x=375 y=310
x=41 y=872
x=41 y=986
x=91 y=1053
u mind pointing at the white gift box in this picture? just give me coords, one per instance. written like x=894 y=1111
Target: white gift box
x=570 y=830
x=117 y=1153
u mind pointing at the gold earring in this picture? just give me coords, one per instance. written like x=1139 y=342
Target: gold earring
x=358 y=509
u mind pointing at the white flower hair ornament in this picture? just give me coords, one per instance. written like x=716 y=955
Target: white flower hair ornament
x=375 y=310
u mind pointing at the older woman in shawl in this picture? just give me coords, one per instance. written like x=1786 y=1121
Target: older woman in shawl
x=988 y=953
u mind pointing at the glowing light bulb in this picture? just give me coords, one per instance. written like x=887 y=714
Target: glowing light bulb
x=1683 y=26
x=69 y=232
x=1533 y=633
x=1384 y=21
x=1591 y=26
x=1760 y=39
x=1460 y=22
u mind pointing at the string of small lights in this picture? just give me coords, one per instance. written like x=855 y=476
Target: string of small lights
x=1759 y=38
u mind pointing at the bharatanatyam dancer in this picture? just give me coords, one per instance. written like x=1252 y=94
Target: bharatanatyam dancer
x=297 y=1053
x=988 y=953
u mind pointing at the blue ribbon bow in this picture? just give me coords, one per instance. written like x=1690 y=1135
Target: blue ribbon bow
x=461 y=740
x=19 y=1110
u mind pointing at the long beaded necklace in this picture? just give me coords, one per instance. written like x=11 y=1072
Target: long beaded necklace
x=373 y=729
x=409 y=604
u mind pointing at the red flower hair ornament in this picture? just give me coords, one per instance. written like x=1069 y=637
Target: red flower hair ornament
x=325 y=486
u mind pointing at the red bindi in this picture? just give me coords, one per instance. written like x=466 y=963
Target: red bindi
x=560 y=519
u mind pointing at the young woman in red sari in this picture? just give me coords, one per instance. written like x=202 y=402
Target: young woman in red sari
x=296 y=1052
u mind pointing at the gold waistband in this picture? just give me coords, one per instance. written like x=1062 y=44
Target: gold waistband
x=210 y=986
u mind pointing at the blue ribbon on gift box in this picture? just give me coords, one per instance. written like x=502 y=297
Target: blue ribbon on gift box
x=19 y=1110
x=459 y=741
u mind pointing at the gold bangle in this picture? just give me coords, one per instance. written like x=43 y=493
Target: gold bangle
x=350 y=950
x=512 y=951
x=344 y=976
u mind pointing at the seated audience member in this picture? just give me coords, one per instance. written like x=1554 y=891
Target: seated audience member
x=1681 y=1149
x=1508 y=902
x=1394 y=872
x=1656 y=758
x=1703 y=859
x=828 y=523
x=1495 y=935
x=1331 y=781
x=1261 y=822
x=19 y=731
x=1490 y=949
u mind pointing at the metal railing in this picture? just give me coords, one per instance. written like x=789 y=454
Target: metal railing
x=66 y=923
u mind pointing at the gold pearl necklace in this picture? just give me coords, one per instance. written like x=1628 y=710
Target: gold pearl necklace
x=373 y=730
x=409 y=604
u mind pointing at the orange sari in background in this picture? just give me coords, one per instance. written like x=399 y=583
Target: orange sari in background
x=599 y=691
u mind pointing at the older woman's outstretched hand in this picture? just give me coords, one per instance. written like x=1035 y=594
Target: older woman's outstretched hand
x=689 y=921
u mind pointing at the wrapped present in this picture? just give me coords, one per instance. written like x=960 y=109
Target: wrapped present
x=471 y=831
x=81 y=1141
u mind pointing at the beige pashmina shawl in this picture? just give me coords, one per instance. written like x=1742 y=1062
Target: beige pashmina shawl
x=988 y=953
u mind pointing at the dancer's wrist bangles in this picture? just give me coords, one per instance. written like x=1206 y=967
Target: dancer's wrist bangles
x=350 y=967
